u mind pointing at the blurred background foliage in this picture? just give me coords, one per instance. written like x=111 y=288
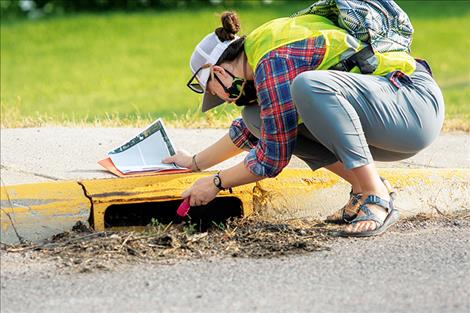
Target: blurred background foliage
x=127 y=60
x=40 y=8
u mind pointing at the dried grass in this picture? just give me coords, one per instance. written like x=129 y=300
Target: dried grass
x=83 y=250
x=11 y=117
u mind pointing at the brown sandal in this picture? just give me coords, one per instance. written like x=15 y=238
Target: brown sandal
x=349 y=211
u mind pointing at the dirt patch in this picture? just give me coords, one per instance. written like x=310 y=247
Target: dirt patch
x=83 y=250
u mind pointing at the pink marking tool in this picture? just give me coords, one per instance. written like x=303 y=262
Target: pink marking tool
x=183 y=208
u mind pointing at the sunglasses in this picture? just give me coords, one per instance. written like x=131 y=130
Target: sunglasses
x=195 y=86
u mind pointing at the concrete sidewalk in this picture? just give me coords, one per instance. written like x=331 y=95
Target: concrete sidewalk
x=30 y=155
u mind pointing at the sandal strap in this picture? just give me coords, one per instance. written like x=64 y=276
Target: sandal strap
x=354 y=198
x=368 y=215
x=373 y=199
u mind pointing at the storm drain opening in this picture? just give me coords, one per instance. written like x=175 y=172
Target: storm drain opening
x=141 y=214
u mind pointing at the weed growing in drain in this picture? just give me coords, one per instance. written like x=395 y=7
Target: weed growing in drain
x=155 y=227
x=220 y=226
x=190 y=228
x=154 y=222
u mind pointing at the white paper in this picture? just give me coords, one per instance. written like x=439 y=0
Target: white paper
x=145 y=151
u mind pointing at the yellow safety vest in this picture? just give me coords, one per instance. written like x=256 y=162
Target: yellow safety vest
x=338 y=43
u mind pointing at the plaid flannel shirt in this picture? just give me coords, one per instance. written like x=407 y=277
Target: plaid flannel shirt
x=273 y=76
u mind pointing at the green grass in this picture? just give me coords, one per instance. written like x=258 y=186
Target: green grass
x=120 y=66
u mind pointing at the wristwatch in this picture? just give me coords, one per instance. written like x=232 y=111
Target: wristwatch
x=218 y=182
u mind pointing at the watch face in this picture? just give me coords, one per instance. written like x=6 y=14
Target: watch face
x=217 y=181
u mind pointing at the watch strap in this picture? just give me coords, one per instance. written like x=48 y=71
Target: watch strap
x=218 y=181
x=219 y=184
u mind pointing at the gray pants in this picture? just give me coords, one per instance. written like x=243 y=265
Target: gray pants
x=357 y=118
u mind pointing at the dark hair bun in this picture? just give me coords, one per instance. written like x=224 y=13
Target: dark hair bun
x=230 y=26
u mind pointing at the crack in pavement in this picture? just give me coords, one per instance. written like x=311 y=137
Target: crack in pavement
x=85 y=193
x=30 y=172
x=21 y=239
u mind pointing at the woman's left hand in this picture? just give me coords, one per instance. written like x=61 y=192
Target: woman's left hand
x=202 y=191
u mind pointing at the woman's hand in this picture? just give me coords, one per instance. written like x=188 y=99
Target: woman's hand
x=202 y=191
x=181 y=158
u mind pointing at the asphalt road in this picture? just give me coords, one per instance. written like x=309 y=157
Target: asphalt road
x=424 y=269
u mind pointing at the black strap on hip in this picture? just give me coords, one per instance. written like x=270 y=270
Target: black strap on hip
x=365 y=60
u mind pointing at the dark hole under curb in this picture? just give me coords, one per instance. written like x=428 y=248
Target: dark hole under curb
x=140 y=214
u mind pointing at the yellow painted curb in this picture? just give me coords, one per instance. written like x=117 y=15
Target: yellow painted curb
x=295 y=193
x=298 y=193
x=37 y=211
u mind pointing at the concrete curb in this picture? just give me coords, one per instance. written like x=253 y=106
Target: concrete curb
x=36 y=211
x=299 y=194
x=33 y=212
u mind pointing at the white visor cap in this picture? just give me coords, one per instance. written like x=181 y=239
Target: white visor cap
x=208 y=51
